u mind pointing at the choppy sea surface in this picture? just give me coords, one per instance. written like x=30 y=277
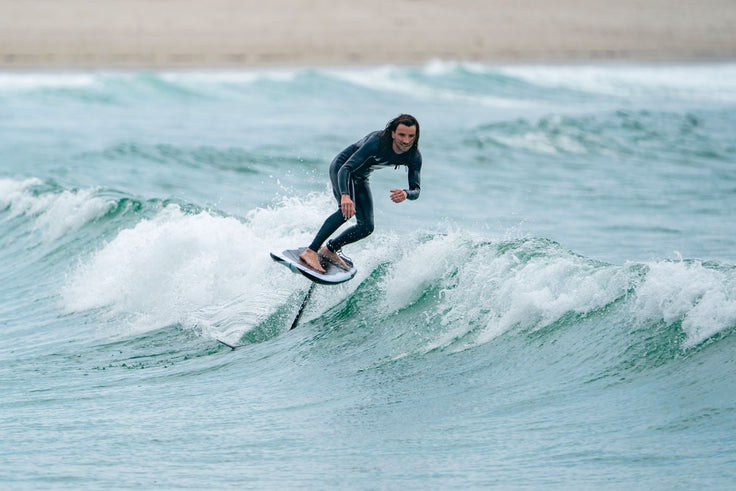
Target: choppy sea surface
x=556 y=310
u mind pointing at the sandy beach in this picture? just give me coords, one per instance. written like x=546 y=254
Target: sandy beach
x=235 y=33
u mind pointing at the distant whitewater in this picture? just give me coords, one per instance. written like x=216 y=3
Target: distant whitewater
x=556 y=310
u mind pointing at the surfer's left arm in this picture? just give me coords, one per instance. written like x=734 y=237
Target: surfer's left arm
x=415 y=172
x=398 y=195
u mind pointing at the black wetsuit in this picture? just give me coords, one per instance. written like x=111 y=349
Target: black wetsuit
x=349 y=173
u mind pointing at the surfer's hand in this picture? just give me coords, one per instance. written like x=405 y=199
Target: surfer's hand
x=347 y=206
x=398 y=195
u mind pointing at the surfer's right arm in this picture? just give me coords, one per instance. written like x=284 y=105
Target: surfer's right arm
x=358 y=162
x=347 y=206
x=415 y=172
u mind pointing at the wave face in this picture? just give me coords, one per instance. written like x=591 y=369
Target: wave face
x=557 y=307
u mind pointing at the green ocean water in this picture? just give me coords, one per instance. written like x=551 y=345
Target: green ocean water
x=555 y=311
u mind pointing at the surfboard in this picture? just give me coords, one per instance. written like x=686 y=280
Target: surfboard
x=333 y=275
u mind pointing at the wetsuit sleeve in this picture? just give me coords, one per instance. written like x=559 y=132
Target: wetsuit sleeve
x=366 y=149
x=415 y=170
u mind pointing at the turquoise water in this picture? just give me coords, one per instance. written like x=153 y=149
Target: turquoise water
x=556 y=310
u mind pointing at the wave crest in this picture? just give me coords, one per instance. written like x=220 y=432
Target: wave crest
x=54 y=212
x=436 y=290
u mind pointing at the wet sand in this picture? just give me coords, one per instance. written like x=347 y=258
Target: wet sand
x=241 y=33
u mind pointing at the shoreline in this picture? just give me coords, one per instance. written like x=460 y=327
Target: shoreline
x=295 y=67
x=243 y=34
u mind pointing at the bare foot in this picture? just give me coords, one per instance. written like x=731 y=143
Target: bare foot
x=324 y=251
x=310 y=259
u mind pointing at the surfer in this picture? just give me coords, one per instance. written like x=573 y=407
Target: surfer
x=396 y=145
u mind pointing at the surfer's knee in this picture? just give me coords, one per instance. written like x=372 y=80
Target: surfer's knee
x=367 y=228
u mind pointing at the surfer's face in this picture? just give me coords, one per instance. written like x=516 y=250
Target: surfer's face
x=403 y=137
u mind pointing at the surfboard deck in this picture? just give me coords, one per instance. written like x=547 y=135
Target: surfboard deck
x=334 y=274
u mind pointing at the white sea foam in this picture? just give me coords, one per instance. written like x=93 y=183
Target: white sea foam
x=400 y=81
x=195 y=79
x=421 y=266
x=55 y=214
x=710 y=82
x=201 y=271
x=487 y=289
x=30 y=81
x=502 y=292
x=545 y=142
x=487 y=292
x=702 y=298
x=212 y=272
x=12 y=191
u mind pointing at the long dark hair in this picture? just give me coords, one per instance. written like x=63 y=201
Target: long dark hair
x=405 y=119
